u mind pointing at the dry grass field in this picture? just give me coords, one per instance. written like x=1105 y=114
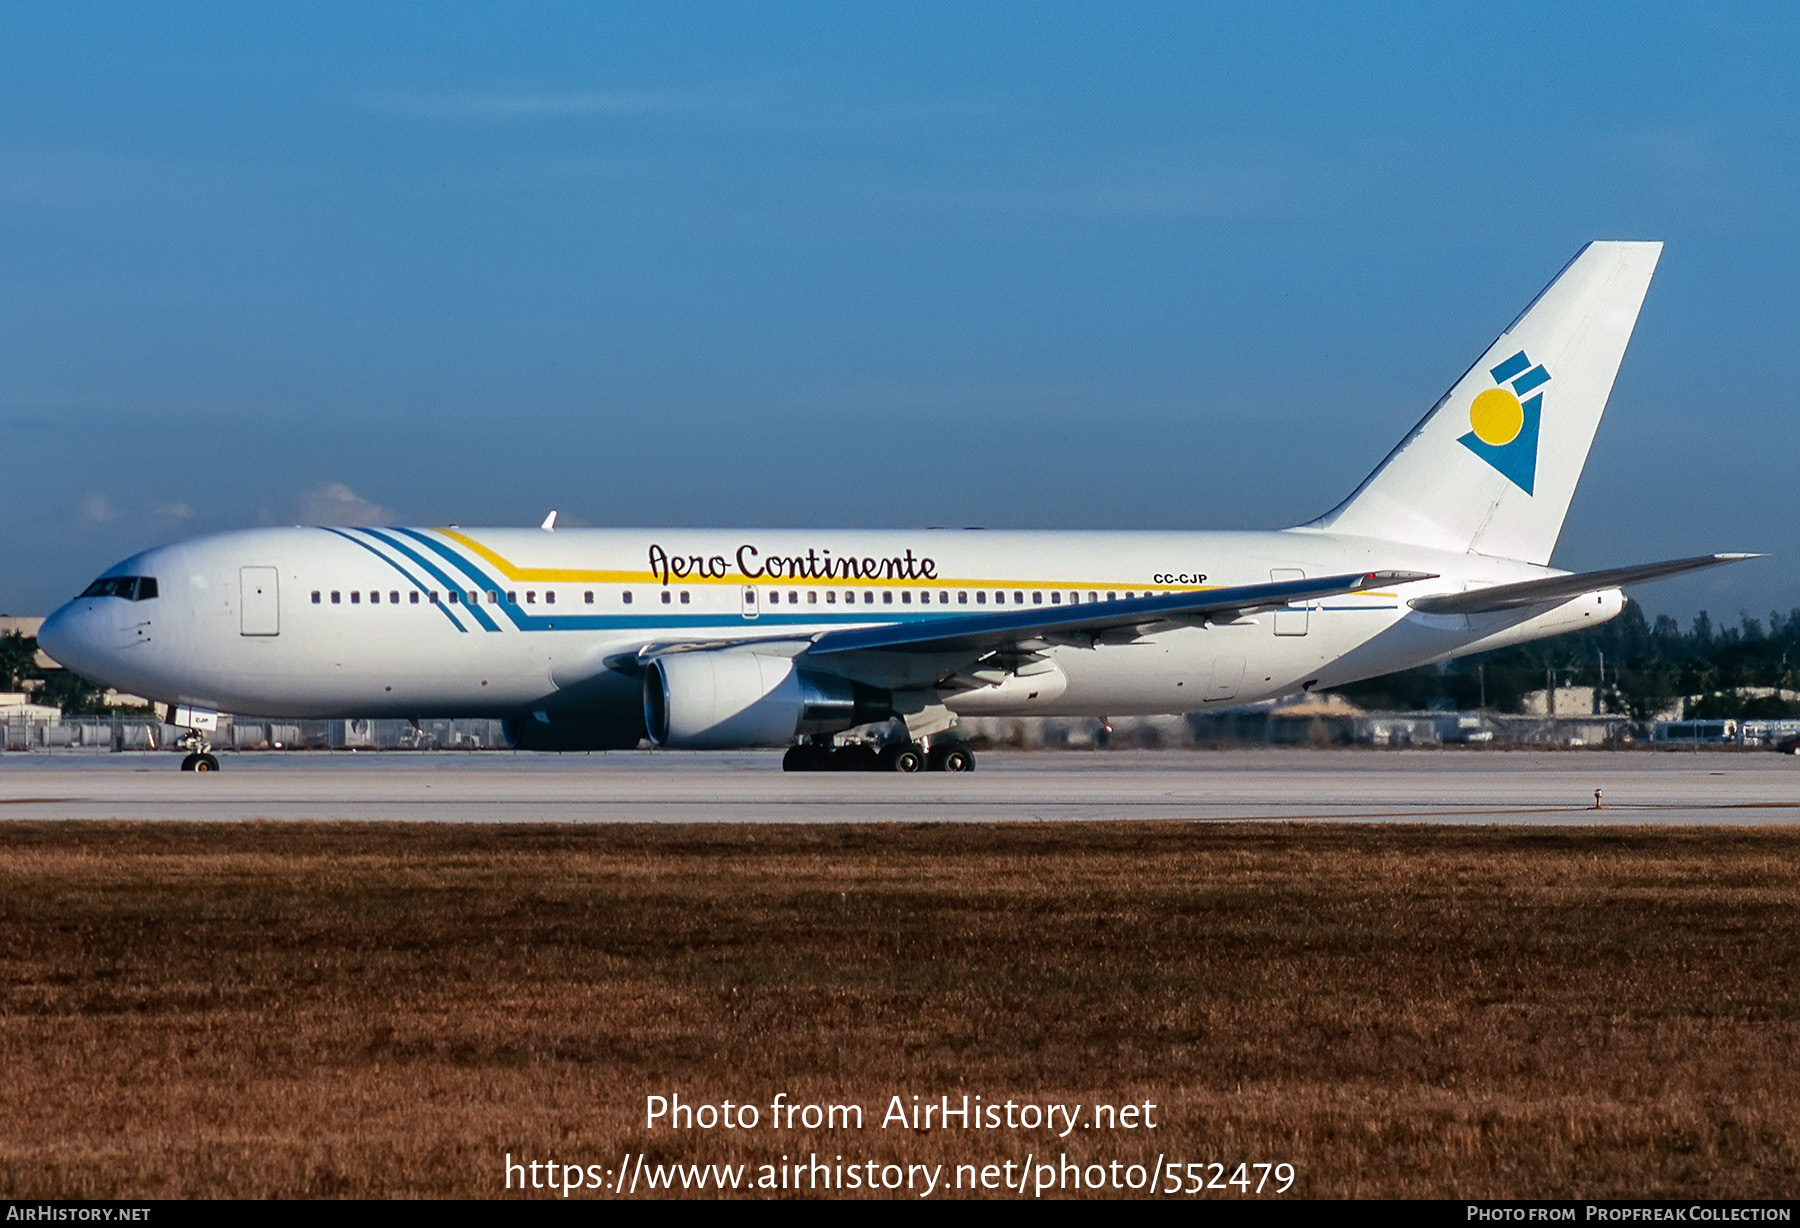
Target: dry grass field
x=318 y=1009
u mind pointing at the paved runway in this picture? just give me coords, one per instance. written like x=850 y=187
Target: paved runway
x=1443 y=786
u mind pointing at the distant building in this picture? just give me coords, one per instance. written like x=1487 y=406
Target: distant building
x=1570 y=701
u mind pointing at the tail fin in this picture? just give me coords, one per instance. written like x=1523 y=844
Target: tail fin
x=1492 y=467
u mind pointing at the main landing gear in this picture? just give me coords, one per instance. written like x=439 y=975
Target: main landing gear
x=899 y=757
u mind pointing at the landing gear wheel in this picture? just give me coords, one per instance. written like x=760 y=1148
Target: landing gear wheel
x=199 y=763
x=904 y=758
x=952 y=759
x=806 y=759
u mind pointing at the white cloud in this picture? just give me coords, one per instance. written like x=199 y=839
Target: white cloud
x=98 y=509
x=336 y=503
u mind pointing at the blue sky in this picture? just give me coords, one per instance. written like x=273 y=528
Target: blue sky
x=1013 y=265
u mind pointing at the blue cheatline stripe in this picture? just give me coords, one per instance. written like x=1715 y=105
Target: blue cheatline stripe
x=410 y=578
x=1511 y=367
x=474 y=611
x=668 y=620
x=473 y=572
x=1533 y=378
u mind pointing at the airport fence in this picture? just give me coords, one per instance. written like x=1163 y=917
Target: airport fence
x=121 y=732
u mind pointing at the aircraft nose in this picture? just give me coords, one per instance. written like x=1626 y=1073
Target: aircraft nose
x=69 y=637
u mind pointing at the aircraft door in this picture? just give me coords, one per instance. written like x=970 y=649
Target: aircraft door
x=1289 y=622
x=259 y=604
x=747 y=602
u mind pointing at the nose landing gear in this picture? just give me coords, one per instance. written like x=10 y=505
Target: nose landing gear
x=199 y=757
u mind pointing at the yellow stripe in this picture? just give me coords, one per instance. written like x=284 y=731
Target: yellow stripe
x=569 y=575
x=548 y=575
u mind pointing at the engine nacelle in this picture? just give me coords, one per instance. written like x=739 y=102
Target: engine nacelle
x=719 y=699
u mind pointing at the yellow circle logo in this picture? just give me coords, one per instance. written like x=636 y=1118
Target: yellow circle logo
x=1497 y=417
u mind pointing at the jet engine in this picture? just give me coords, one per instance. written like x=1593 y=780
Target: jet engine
x=718 y=699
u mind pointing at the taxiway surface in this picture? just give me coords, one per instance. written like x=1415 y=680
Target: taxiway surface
x=1444 y=786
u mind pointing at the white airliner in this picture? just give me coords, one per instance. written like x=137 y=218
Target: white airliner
x=864 y=648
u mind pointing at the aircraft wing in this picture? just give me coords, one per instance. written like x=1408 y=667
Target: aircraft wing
x=1101 y=622
x=1561 y=588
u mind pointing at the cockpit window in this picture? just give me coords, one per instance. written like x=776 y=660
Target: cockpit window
x=132 y=588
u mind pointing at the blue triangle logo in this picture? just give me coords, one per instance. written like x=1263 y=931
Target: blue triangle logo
x=1516 y=459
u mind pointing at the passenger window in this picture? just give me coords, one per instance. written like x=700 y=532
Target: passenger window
x=887 y=596
x=666 y=597
x=335 y=598
x=812 y=596
x=1018 y=597
x=415 y=596
x=315 y=596
x=512 y=597
x=530 y=597
x=588 y=597
x=793 y=598
x=394 y=598
x=434 y=599
x=374 y=598
x=550 y=598
x=474 y=597
x=869 y=597
x=355 y=597
x=1055 y=598
x=453 y=596
x=627 y=596
x=684 y=596
x=831 y=597
x=981 y=597
x=1037 y=599
x=962 y=598
x=906 y=597
x=774 y=597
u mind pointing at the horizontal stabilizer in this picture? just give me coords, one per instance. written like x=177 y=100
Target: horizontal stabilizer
x=1081 y=624
x=1562 y=588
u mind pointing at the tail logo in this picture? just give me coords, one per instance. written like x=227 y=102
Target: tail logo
x=1505 y=420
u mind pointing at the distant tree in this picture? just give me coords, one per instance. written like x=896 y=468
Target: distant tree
x=18 y=660
x=68 y=690
x=1649 y=665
